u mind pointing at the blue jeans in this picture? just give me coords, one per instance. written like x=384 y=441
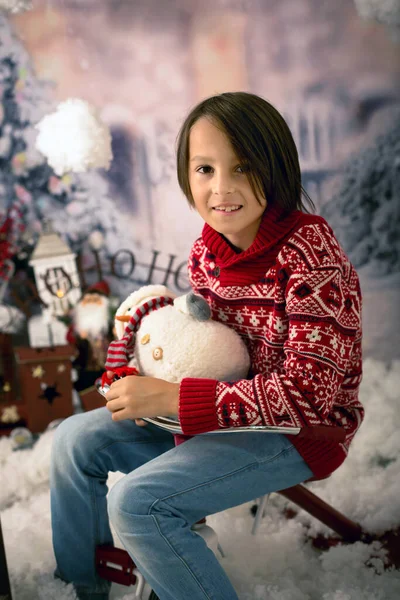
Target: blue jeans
x=166 y=489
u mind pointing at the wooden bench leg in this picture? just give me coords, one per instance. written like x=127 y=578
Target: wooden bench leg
x=347 y=529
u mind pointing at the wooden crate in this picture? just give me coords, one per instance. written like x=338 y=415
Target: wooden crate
x=91 y=399
x=45 y=384
x=7 y=369
x=12 y=411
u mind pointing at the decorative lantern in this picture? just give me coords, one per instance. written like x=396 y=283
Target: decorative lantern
x=57 y=282
x=56 y=273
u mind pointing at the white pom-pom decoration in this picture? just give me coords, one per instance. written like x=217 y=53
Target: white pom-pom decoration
x=73 y=138
x=15 y=6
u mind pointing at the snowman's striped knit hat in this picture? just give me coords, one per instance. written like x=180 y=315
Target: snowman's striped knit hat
x=121 y=351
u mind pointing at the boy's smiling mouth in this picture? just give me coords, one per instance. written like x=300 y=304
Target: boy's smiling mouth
x=227 y=208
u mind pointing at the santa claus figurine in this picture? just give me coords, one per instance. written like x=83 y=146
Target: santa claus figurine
x=91 y=332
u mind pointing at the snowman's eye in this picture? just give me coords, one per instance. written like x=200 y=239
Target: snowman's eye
x=157 y=353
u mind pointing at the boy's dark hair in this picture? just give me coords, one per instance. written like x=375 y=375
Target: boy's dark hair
x=261 y=140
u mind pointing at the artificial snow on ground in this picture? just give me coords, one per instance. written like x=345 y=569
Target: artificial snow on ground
x=279 y=563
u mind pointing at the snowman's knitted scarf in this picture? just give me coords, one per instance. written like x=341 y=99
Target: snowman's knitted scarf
x=121 y=351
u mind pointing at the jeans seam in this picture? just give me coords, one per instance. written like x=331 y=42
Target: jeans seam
x=200 y=485
x=90 y=459
x=153 y=517
x=180 y=558
x=282 y=452
x=129 y=442
x=95 y=511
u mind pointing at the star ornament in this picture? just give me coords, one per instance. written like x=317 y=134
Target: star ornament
x=10 y=415
x=50 y=393
x=38 y=372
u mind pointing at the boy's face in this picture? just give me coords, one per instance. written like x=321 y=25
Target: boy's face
x=220 y=188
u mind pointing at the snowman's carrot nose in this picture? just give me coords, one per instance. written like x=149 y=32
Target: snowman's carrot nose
x=123 y=318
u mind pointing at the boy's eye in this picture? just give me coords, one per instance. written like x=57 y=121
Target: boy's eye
x=207 y=169
x=204 y=169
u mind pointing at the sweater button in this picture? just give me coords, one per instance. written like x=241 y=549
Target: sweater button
x=216 y=271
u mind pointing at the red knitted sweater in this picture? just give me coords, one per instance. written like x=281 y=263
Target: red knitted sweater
x=295 y=299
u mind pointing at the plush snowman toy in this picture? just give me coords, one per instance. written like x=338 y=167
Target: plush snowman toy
x=168 y=337
x=171 y=337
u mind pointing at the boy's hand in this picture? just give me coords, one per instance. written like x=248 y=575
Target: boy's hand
x=133 y=397
x=138 y=422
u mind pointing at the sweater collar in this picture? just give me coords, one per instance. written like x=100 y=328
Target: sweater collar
x=274 y=226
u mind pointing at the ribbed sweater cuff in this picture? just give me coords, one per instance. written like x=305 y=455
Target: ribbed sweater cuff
x=197 y=410
x=322 y=457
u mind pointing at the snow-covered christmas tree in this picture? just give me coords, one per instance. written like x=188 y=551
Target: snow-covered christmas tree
x=78 y=204
x=366 y=210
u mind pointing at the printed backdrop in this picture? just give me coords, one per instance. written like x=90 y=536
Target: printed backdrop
x=145 y=63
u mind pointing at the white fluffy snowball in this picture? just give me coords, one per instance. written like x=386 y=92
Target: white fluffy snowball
x=15 y=6
x=73 y=138
x=11 y=319
x=384 y=11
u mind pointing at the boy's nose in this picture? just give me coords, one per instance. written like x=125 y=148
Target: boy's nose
x=223 y=185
